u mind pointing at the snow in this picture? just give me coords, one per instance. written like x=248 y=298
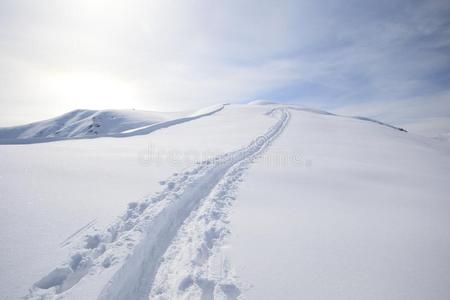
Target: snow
x=93 y=124
x=262 y=102
x=230 y=202
x=359 y=211
x=423 y=115
x=431 y=127
x=79 y=123
x=51 y=190
x=323 y=112
x=194 y=266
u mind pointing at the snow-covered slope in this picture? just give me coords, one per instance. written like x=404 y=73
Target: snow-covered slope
x=249 y=202
x=344 y=209
x=262 y=102
x=81 y=123
x=97 y=123
x=54 y=194
x=323 y=112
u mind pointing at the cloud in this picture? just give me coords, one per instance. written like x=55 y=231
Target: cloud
x=169 y=55
x=427 y=115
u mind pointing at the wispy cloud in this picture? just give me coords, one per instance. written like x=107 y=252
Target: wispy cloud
x=175 y=55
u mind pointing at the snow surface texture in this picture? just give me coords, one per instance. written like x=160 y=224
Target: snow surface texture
x=362 y=213
x=49 y=191
x=133 y=246
x=91 y=124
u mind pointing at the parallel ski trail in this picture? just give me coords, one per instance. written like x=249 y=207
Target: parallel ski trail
x=134 y=280
x=132 y=247
x=196 y=265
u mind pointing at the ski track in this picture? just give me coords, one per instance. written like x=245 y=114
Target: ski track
x=195 y=265
x=183 y=225
x=68 y=240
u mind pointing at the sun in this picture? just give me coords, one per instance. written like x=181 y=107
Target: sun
x=86 y=89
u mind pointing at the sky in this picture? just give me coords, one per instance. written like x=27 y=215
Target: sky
x=167 y=55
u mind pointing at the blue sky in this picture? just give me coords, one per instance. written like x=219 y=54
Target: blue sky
x=173 y=55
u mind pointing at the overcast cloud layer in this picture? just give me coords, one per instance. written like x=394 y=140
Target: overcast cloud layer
x=56 y=56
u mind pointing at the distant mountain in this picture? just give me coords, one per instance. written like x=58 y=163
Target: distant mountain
x=83 y=123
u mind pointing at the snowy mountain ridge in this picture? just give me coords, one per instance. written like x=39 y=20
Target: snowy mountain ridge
x=83 y=123
x=319 y=111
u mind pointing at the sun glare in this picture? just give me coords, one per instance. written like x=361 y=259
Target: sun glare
x=90 y=90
